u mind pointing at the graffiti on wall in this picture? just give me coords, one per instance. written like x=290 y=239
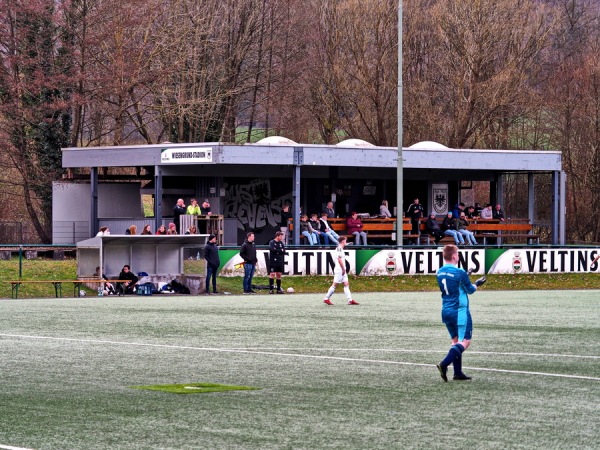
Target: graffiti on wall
x=253 y=206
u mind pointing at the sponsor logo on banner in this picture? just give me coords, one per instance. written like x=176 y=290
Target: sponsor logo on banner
x=390 y=263
x=560 y=260
x=517 y=262
x=420 y=262
x=297 y=262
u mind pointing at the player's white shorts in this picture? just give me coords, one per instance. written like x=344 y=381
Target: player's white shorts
x=339 y=278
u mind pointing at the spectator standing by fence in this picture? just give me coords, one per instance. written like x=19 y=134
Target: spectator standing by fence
x=414 y=213
x=211 y=255
x=193 y=209
x=248 y=254
x=178 y=210
x=286 y=215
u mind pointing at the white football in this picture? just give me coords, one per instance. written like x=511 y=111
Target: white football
x=290 y=290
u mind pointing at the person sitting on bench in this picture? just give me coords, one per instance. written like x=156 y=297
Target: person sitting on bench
x=127 y=286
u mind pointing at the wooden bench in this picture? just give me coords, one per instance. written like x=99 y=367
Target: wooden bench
x=486 y=229
x=503 y=230
x=15 y=284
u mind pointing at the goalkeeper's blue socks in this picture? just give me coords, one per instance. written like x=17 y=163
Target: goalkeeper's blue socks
x=457 y=364
x=454 y=353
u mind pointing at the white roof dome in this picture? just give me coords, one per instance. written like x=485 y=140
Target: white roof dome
x=354 y=143
x=276 y=140
x=427 y=145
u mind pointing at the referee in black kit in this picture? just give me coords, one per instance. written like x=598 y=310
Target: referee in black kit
x=276 y=261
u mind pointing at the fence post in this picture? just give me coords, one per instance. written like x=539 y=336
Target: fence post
x=20 y=261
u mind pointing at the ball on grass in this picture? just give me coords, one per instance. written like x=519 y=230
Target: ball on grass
x=290 y=290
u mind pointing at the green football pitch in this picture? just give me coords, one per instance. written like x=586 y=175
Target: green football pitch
x=340 y=377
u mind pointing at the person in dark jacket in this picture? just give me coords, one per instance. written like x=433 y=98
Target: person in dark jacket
x=433 y=227
x=414 y=212
x=248 y=254
x=276 y=261
x=449 y=229
x=211 y=255
x=286 y=215
x=498 y=214
x=178 y=210
x=127 y=286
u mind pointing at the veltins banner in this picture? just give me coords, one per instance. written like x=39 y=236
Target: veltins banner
x=548 y=260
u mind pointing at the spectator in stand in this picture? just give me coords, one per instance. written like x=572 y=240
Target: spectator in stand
x=449 y=229
x=414 y=213
x=178 y=210
x=315 y=223
x=205 y=208
x=462 y=225
x=307 y=230
x=486 y=213
x=355 y=226
x=104 y=231
x=146 y=230
x=324 y=226
x=193 y=209
x=132 y=230
x=470 y=213
x=286 y=215
x=478 y=209
x=458 y=208
x=433 y=227
x=383 y=209
x=191 y=230
x=161 y=230
x=172 y=229
x=329 y=210
x=498 y=214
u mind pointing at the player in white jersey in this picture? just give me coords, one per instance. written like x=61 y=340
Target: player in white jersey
x=339 y=274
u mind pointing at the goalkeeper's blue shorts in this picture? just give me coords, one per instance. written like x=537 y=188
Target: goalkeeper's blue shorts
x=463 y=331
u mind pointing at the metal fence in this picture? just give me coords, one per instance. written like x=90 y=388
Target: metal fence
x=11 y=232
x=70 y=232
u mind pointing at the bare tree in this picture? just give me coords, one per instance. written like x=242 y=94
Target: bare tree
x=35 y=85
x=485 y=69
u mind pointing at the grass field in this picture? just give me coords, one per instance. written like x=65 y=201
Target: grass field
x=328 y=377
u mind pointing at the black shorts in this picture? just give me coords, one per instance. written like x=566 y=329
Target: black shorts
x=276 y=267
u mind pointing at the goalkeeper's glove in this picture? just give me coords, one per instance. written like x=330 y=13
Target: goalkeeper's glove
x=480 y=281
x=470 y=271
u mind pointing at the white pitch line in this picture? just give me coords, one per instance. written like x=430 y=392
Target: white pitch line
x=403 y=350
x=294 y=355
x=8 y=447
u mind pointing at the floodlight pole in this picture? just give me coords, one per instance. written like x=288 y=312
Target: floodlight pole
x=400 y=168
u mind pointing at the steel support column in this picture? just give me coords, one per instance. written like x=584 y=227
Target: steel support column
x=157 y=197
x=555 y=231
x=562 y=210
x=94 y=206
x=298 y=161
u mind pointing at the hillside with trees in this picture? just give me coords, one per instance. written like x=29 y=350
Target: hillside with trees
x=509 y=74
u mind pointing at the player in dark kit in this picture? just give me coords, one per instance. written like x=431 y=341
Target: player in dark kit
x=276 y=261
x=455 y=286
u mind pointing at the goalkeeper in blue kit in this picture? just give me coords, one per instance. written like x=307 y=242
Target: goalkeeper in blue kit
x=456 y=287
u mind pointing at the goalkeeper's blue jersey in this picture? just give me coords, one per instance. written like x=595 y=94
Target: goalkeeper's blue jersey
x=455 y=286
